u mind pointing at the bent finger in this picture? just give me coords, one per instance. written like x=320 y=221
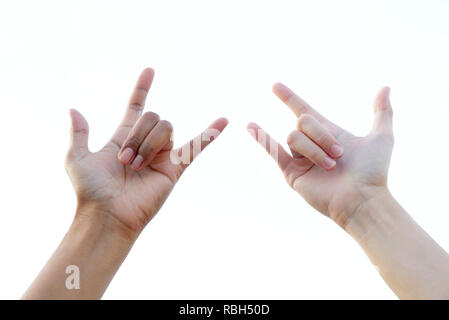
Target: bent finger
x=302 y=144
x=154 y=142
x=136 y=136
x=320 y=135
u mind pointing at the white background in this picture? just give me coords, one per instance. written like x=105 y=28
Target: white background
x=232 y=228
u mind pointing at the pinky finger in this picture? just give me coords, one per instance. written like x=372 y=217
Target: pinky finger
x=276 y=151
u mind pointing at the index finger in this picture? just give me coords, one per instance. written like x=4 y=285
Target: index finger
x=296 y=104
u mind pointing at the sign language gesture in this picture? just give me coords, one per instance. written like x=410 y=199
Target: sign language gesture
x=132 y=175
x=335 y=171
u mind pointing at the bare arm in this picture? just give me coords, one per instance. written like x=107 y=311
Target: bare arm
x=345 y=177
x=409 y=260
x=96 y=247
x=119 y=190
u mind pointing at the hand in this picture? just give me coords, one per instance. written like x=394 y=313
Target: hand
x=335 y=171
x=132 y=175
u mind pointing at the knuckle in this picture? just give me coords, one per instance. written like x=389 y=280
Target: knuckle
x=148 y=116
x=304 y=121
x=81 y=131
x=302 y=109
x=388 y=111
x=132 y=142
x=391 y=137
x=146 y=151
x=136 y=106
x=166 y=124
x=324 y=140
x=69 y=158
x=288 y=98
x=72 y=157
x=292 y=137
x=149 y=150
x=316 y=155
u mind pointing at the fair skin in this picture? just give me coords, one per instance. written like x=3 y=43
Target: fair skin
x=345 y=178
x=119 y=190
x=122 y=186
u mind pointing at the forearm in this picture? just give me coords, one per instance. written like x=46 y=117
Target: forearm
x=97 y=244
x=409 y=260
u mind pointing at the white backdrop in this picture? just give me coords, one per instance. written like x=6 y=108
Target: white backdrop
x=232 y=228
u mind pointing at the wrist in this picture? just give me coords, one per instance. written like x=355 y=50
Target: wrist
x=377 y=211
x=93 y=221
x=96 y=244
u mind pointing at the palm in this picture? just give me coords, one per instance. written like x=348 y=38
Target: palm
x=132 y=197
x=364 y=164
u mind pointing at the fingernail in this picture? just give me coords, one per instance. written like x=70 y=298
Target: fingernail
x=329 y=163
x=137 y=162
x=336 y=150
x=126 y=155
